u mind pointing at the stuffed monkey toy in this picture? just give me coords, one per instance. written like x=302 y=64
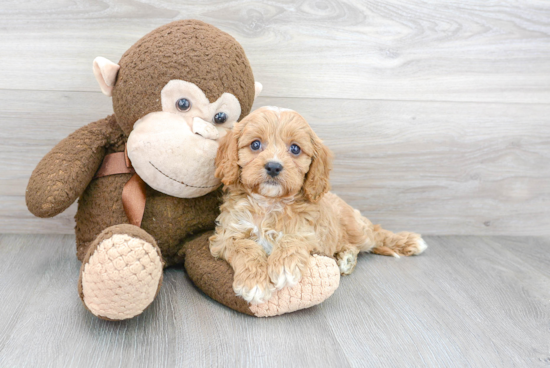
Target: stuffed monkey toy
x=144 y=177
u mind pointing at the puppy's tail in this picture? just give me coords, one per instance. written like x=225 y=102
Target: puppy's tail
x=387 y=243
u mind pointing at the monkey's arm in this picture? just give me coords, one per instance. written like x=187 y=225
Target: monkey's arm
x=63 y=174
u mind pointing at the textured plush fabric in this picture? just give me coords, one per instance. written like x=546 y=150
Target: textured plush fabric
x=63 y=174
x=213 y=276
x=168 y=219
x=318 y=283
x=119 y=268
x=181 y=155
x=104 y=291
x=174 y=51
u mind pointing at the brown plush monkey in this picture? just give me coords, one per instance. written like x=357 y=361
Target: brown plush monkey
x=145 y=175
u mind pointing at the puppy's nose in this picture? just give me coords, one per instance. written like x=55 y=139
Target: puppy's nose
x=273 y=168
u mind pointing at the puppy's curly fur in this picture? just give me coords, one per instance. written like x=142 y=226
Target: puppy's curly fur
x=270 y=223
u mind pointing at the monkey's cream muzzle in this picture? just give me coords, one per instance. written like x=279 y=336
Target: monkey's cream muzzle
x=173 y=156
x=205 y=129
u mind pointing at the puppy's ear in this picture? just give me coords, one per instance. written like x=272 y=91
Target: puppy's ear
x=227 y=157
x=317 y=178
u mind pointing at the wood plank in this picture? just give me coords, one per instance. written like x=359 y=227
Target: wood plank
x=467 y=301
x=431 y=167
x=181 y=328
x=15 y=218
x=531 y=249
x=405 y=50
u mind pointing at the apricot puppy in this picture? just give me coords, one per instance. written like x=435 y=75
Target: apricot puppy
x=278 y=209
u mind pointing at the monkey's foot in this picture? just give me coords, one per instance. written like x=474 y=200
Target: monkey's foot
x=121 y=274
x=318 y=283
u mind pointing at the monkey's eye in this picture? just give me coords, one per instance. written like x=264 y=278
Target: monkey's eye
x=220 y=118
x=256 y=145
x=183 y=104
x=295 y=149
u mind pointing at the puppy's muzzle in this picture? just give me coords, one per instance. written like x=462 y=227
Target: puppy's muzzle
x=273 y=168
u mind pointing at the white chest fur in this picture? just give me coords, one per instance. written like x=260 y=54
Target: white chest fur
x=262 y=233
x=265 y=237
x=259 y=223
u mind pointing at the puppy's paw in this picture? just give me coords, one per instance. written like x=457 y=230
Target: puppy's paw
x=346 y=261
x=256 y=295
x=285 y=277
x=286 y=269
x=252 y=283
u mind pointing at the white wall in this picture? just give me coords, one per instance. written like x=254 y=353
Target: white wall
x=438 y=113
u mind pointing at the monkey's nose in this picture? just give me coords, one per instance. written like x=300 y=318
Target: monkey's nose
x=205 y=129
x=273 y=168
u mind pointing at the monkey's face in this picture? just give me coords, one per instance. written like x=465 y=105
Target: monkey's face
x=176 y=92
x=173 y=150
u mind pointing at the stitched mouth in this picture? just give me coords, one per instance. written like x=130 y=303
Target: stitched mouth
x=271 y=182
x=181 y=182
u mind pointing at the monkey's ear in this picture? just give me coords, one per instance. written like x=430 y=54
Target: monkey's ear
x=105 y=72
x=257 y=89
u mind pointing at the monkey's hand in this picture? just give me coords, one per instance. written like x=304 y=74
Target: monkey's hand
x=65 y=172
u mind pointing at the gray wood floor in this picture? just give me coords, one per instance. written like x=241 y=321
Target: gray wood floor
x=468 y=301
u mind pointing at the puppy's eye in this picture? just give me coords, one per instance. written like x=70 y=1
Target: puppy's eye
x=256 y=145
x=295 y=150
x=220 y=118
x=183 y=104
